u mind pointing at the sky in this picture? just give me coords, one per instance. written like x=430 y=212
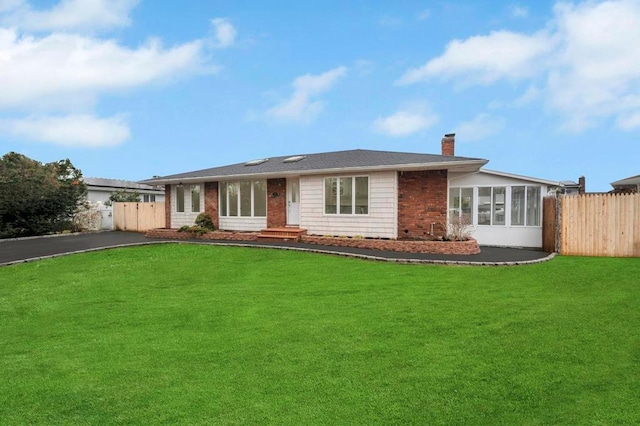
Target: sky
x=130 y=89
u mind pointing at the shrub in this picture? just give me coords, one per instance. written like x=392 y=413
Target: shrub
x=194 y=230
x=458 y=228
x=204 y=220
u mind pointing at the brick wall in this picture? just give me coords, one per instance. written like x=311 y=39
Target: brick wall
x=422 y=201
x=167 y=206
x=211 y=202
x=276 y=206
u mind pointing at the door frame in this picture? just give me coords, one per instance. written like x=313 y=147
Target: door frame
x=293 y=197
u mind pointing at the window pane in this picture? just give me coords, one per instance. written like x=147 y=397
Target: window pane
x=498 y=205
x=260 y=198
x=466 y=203
x=330 y=195
x=346 y=195
x=484 y=206
x=294 y=191
x=232 y=188
x=223 y=198
x=180 y=198
x=245 y=198
x=362 y=195
x=195 y=198
x=533 y=206
x=517 y=205
x=454 y=201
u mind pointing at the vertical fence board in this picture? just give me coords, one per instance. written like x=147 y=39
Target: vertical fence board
x=549 y=224
x=600 y=225
x=138 y=217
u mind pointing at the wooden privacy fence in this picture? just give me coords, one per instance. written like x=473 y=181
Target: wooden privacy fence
x=138 y=217
x=593 y=225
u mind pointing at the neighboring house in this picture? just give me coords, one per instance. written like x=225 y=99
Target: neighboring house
x=99 y=190
x=630 y=185
x=362 y=193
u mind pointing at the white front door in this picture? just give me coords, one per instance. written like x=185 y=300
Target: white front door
x=293 y=201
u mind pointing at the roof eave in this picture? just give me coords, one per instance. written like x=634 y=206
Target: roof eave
x=466 y=165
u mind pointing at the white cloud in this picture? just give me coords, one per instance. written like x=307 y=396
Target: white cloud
x=518 y=11
x=300 y=106
x=481 y=127
x=597 y=69
x=53 y=68
x=36 y=69
x=406 y=121
x=585 y=64
x=70 y=131
x=224 y=32
x=424 y=14
x=86 y=15
x=484 y=59
x=630 y=121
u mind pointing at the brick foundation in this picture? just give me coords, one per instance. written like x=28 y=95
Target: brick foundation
x=435 y=247
x=422 y=204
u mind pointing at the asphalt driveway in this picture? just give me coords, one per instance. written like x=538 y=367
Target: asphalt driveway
x=27 y=249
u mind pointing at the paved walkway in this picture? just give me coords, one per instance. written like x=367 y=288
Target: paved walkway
x=28 y=249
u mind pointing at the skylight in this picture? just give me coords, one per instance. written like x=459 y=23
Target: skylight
x=294 y=159
x=256 y=162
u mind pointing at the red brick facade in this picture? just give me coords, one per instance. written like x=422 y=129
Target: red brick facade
x=422 y=204
x=167 y=206
x=276 y=203
x=211 y=202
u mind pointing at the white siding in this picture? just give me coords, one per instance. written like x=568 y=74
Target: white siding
x=501 y=235
x=187 y=217
x=381 y=222
x=243 y=223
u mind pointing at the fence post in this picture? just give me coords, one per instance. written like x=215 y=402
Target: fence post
x=558 y=231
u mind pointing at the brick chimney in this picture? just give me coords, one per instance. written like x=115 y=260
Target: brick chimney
x=449 y=144
x=582 y=185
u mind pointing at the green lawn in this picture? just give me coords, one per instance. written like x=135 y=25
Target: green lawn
x=201 y=334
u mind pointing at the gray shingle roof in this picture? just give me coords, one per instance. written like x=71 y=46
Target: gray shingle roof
x=347 y=161
x=119 y=184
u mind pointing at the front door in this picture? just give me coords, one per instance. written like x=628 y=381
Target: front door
x=293 y=201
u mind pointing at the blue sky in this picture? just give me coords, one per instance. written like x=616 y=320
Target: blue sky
x=130 y=89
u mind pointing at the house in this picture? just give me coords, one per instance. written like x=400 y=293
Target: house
x=363 y=193
x=630 y=185
x=99 y=190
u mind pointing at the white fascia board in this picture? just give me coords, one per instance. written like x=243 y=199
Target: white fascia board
x=521 y=177
x=470 y=166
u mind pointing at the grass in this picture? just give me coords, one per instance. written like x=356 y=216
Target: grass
x=221 y=335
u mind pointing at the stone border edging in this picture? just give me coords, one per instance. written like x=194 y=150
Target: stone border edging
x=302 y=249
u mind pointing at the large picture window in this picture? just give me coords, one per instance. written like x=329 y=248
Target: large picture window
x=244 y=198
x=346 y=195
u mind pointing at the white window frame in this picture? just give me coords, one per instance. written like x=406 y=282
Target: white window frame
x=508 y=202
x=353 y=196
x=239 y=200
